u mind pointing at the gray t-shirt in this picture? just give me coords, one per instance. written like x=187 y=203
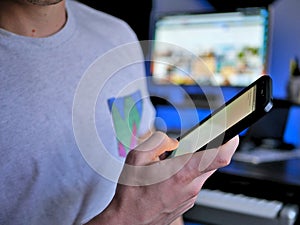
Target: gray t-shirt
x=63 y=118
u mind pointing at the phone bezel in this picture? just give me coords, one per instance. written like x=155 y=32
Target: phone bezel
x=263 y=104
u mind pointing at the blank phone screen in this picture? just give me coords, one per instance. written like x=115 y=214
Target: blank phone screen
x=218 y=123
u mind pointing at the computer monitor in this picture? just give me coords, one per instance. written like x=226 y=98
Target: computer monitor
x=210 y=49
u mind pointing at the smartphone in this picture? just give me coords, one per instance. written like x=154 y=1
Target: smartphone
x=237 y=114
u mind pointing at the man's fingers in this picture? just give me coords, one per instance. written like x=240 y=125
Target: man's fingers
x=144 y=167
x=150 y=150
x=201 y=162
x=212 y=159
x=231 y=144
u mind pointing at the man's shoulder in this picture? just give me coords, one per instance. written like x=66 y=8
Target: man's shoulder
x=98 y=20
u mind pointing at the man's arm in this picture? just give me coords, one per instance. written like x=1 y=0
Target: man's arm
x=179 y=220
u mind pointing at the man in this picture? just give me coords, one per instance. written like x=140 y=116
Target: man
x=71 y=109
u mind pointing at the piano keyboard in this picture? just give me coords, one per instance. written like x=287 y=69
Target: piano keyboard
x=217 y=207
x=239 y=203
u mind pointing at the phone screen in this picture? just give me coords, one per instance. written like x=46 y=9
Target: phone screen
x=218 y=123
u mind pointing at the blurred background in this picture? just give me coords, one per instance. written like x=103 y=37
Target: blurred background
x=283 y=46
x=262 y=184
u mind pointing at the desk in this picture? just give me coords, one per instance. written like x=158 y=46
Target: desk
x=271 y=181
x=286 y=172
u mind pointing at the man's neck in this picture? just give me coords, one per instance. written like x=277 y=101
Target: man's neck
x=32 y=20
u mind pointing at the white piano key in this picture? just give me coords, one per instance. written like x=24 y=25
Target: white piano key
x=239 y=203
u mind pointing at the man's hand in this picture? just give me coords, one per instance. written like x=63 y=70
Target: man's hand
x=154 y=191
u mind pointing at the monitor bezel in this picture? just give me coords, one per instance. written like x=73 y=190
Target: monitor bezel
x=193 y=88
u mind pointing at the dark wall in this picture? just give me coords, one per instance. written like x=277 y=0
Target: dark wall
x=135 y=13
x=233 y=4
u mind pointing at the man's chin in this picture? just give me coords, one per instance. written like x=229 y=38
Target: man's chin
x=43 y=2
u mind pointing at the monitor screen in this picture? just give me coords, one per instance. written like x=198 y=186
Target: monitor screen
x=210 y=49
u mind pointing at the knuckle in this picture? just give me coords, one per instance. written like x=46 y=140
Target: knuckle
x=163 y=137
x=132 y=157
x=185 y=175
x=194 y=193
x=223 y=161
x=161 y=134
x=132 y=154
x=180 y=178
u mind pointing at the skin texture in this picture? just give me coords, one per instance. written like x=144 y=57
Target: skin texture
x=160 y=203
x=150 y=190
x=41 y=2
x=40 y=19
